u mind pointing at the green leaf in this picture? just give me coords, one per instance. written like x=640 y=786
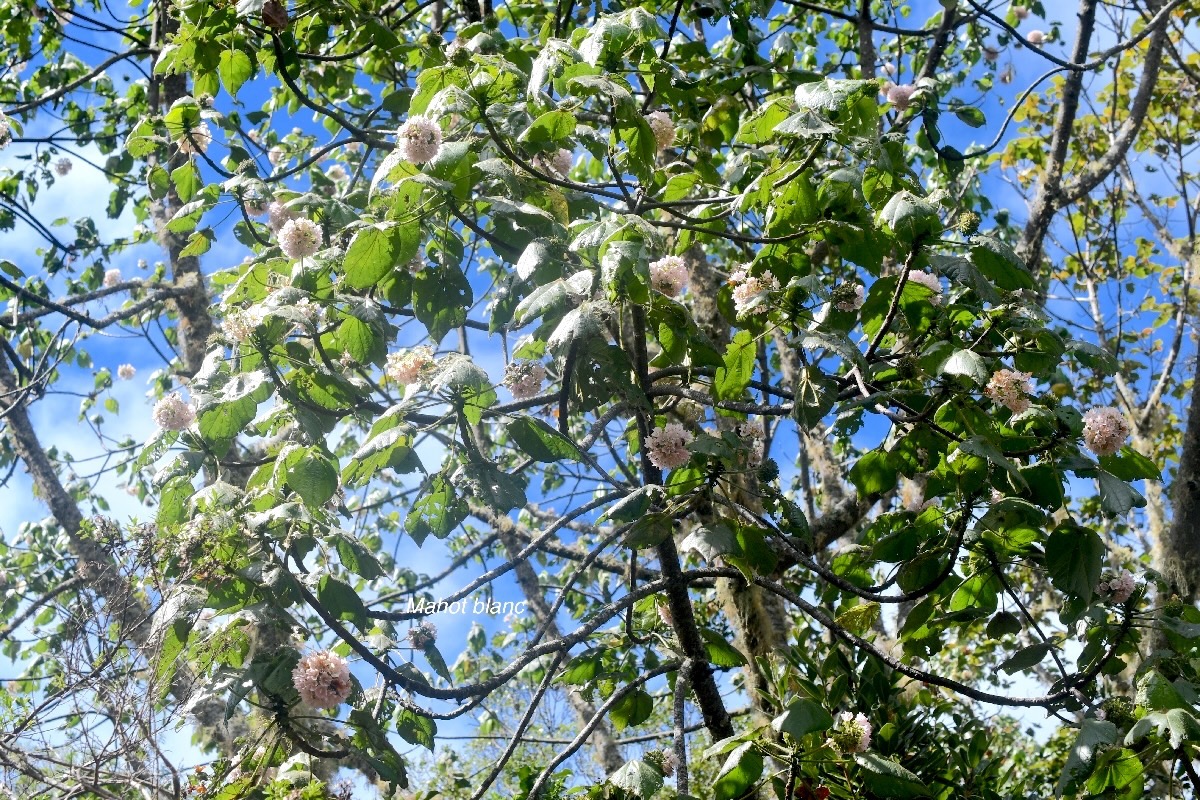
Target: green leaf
x=741 y=770
x=802 y=717
x=999 y=263
x=971 y=116
x=1005 y=623
x=541 y=442
x=637 y=779
x=416 y=728
x=632 y=709
x=1119 y=774
x=1094 y=735
x=311 y=475
x=910 y=217
x=872 y=474
x=889 y=779
x=438 y=512
x=235 y=68
x=187 y=180
x=733 y=378
x=815 y=394
x=1074 y=556
x=720 y=652
x=650 y=530
x=357 y=558
x=967 y=363
x=1130 y=465
x=343 y=602
x=376 y=250
x=361 y=340
x=436 y=662
x=1026 y=657
x=441 y=298
x=390 y=448
x=1116 y=496
x=833 y=95
x=859 y=619
x=550 y=128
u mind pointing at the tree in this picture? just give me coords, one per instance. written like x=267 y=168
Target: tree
x=807 y=471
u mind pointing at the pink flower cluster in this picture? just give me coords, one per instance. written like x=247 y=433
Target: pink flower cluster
x=663 y=128
x=1118 y=588
x=62 y=167
x=112 y=277
x=422 y=636
x=406 y=366
x=322 y=679
x=668 y=275
x=751 y=294
x=420 y=139
x=667 y=447
x=240 y=324
x=126 y=372
x=853 y=734
x=524 y=379
x=278 y=215
x=1104 y=430
x=1010 y=389
x=172 y=413
x=755 y=435
x=848 y=297
x=300 y=238
x=900 y=95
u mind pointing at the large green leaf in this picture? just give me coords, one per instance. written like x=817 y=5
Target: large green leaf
x=541 y=442
x=1074 y=556
x=378 y=249
x=802 y=717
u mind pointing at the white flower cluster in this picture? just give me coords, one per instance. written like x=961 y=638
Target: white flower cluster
x=930 y=281
x=196 y=140
x=848 y=297
x=1020 y=12
x=112 y=277
x=755 y=434
x=666 y=447
x=406 y=366
x=322 y=679
x=278 y=215
x=663 y=128
x=62 y=167
x=1104 y=430
x=1118 y=588
x=1011 y=389
x=900 y=95
x=300 y=238
x=5 y=131
x=240 y=324
x=668 y=275
x=524 y=379
x=751 y=294
x=1036 y=38
x=420 y=139
x=853 y=734
x=126 y=372
x=422 y=636
x=172 y=413
x=276 y=155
